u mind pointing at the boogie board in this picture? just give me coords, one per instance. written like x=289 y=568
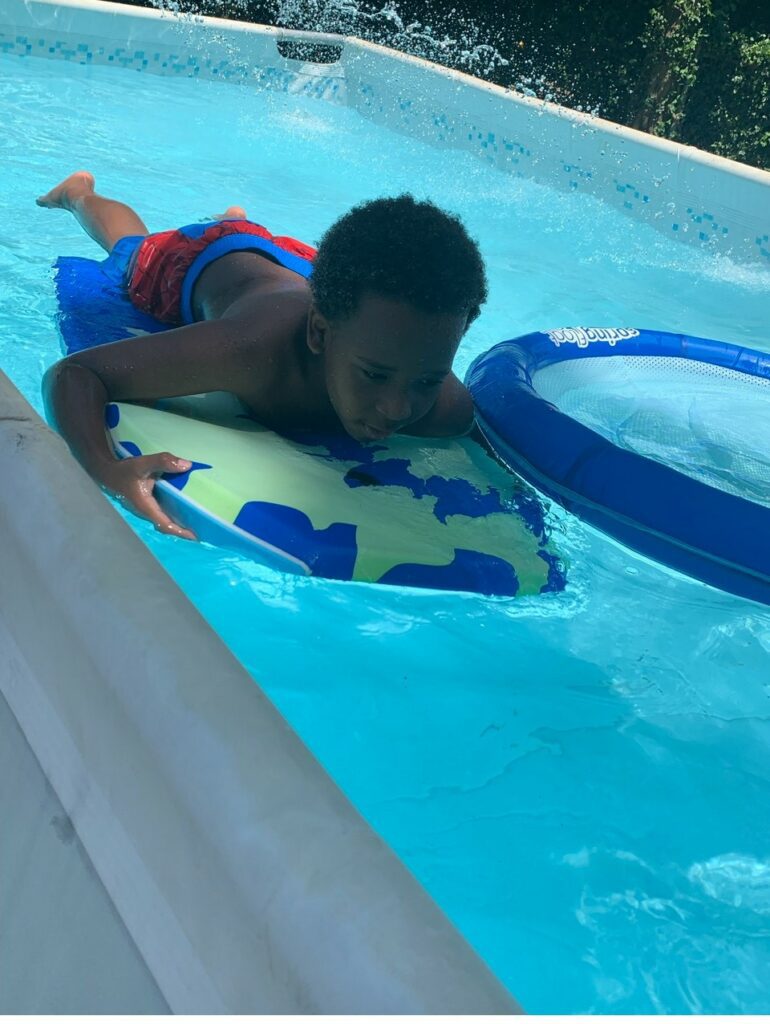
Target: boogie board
x=408 y=511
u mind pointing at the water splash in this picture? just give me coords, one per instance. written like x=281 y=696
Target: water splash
x=191 y=15
x=736 y=879
x=447 y=37
x=451 y=38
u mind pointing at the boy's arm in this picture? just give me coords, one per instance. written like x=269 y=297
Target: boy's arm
x=451 y=416
x=201 y=357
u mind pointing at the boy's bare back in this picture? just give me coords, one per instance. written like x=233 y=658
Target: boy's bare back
x=262 y=313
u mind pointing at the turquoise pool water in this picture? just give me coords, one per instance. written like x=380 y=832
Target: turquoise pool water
x=580 y=780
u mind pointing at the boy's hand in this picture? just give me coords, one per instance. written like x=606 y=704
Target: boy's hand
x=132 y=482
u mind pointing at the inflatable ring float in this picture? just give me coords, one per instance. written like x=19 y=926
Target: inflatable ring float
x=715 y=535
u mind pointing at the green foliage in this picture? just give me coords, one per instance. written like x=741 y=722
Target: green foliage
x=729 y=112
x=672 y=41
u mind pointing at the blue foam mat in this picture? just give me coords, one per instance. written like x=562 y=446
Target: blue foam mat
x=94 y=308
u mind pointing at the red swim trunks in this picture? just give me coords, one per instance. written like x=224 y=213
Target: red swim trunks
x=166 y=265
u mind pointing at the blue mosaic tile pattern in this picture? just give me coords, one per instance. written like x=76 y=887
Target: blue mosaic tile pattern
x=403 y=113
x=576 y=174
x=704 y=225
x=516 y=158
x=170 y=62
x=161 y=61
x=711 y=228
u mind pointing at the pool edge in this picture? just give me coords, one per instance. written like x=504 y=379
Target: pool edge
x=247 y=880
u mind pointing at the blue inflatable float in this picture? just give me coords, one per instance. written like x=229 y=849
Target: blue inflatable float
x=708 y=533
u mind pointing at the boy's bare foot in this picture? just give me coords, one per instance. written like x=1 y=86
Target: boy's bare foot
x=78 y=184
x=232 y=213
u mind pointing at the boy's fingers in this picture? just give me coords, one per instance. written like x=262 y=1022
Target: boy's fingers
x=165 y=462
x=167 y=525
x=149 y=508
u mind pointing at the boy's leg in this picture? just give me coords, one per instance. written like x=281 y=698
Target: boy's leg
x=105 y=220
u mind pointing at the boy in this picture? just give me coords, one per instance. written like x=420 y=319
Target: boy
x=365 y=346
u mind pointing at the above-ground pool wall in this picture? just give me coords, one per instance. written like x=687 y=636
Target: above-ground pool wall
x=141 y=39
x=681 y=191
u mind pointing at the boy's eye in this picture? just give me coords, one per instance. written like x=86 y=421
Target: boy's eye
x=430 y=383
x=373 y=375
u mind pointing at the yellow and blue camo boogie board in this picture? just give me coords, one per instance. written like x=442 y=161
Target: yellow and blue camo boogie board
x=408 y=511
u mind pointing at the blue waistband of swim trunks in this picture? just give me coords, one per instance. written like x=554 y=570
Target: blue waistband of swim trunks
x=234 y=243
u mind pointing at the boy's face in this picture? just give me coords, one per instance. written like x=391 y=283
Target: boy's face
x=385 y=364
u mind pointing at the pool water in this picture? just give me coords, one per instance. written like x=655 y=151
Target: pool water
x=580 y=779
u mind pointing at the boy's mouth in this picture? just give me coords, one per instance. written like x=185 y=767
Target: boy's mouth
x=376 y=433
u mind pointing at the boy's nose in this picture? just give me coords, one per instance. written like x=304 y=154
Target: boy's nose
x=395 y=408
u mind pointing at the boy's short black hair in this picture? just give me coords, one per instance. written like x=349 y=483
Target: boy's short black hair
x=401 y=249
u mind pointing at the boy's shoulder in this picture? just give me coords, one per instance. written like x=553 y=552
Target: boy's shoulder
x=268 y=339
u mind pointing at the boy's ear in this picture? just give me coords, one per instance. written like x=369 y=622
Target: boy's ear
x=317 y=332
